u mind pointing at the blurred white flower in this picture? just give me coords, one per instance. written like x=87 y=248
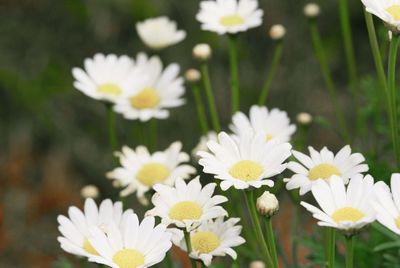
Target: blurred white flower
x=229 y=16
x=90 y=191
x=192 y=75
x=387 y=10
x=202 y=52
x=304 y=118
x=311 y=10
x=277 y=32
x=202 y=145
x=158 y=33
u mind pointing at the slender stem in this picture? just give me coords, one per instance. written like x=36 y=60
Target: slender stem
x=348 y=43
x=111 y=127
x=210 y=97
x=189 y=248
x=394 y=44
x=201 y=114
x=233 y=63
x=153 y=134
x=295 y=231
x=330 y=246
x=168 y=260
x=271 y=241
x=249 y=196
x=320 y=54
x=349 y=244
x=271 y=73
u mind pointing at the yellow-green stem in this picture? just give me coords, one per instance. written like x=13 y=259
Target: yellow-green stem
x=271 y=241
x=210 y=97
x=111 y=127
x=189 y=248
x=200 y=109
x=349 y=244
x=233 y=64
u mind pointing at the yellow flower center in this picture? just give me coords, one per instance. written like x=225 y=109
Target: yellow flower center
x=246 y=170
x=394 y=10
x=89 y=248
x=323 y=171
x=109 y=89
x=204 y=242
x=231 y=20
x=185 y=210
x=145 y=99
x=269 y=137
x=152 y=173
x=128 y=258
x=347 y=214
x=398 y=222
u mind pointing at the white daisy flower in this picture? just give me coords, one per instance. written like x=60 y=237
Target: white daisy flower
x=75 y=229
x=323 y=165
x=244 y=162
x=202 y=145
x=387 y=10
x=213 y=238
x=105 y=77
x=346 y=209
x=154 y=91
x=158 y=33
x=186 y=205
x=387 y=203
x=273 y=124
x=229 y=16
x=132 y=245
x=140 y=170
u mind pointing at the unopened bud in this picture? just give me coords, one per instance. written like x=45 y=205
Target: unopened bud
x=202 y=52
x=304 y=118
x=257 y=264
x=89 y=191
x=267 y=204
x=277 y=32
x=311 y=10
x=192 y=75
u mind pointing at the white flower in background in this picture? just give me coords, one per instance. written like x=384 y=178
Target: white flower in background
x=273 y=124
x=105 y=77
x=202 y=52
x=131 y=245
x=229 y=16
x=140 y=170
x=387 y=204
x=155 y=90
x=158 y=33
x=244 y=162
x=277 y=32
x=387 y=10
x=75 y=229
x=346 y=209
x=323 y=165
x=186 y=205
x=213 y=238
x=202 y=145
x=311 y=10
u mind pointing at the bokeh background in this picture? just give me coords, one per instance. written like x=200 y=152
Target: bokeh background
x=53 y=139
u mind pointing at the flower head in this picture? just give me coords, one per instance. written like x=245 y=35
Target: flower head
x=311 y=10
x=90 y=191
x=229 y=16
x=202 y=52
x=267 y=204
x=244 y=161
x=158 y=33
x=387 y=10
x=323 y=165
x=277 y=32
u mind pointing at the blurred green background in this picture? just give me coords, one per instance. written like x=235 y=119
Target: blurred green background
x=54 y=139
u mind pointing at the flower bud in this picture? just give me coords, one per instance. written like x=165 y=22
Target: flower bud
x=311 y=10
x=116 y=184
x=277 y=32
x=257 y=264
x=267 y=204
x=192 y=75
x=304 y=119
x=89 y=191
x=202 y=52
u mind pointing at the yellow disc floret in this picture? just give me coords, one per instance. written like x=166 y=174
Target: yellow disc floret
x=152 y=173
x=246 y=170
x=185 y=210
x=347 y=214
x=394 y=10
x=204 y=242
x=323 y=171
x=231 y=20
x=128 y=258
x=109 y=89
x=147 y=98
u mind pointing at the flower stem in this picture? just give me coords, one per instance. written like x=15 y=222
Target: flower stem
x=249 y=196
x=111 y=127
x=168 y=260
x=210 y=97
x=153 y=134
x=320 y=54
x=200 y=109
x=295 y=232
x=271 y=241
x=189 y=248
x=349 y=244
x=233 y=63
x=330 y=246
x=271 y=73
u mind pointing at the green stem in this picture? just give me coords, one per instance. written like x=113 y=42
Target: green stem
x=271 y=73
x=111 y=127
x=189 y=248
x=348 y=44
x=210 y=97
x=330 y=246
x=168 y=260
x=152 y=134
x=200 y=109
x=249 y=196
x=320 y=54
x=394 y=44
x=233 y=63
x=271 y=241
x=295 y=231
x=349 y=244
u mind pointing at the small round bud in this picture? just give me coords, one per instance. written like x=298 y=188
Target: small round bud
x=202 y=52
x=89 y=191
x=257 y=264
x=277 y=32
x=267 y=204
x=192 y=75
x=311 y=10
x=304 y=118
